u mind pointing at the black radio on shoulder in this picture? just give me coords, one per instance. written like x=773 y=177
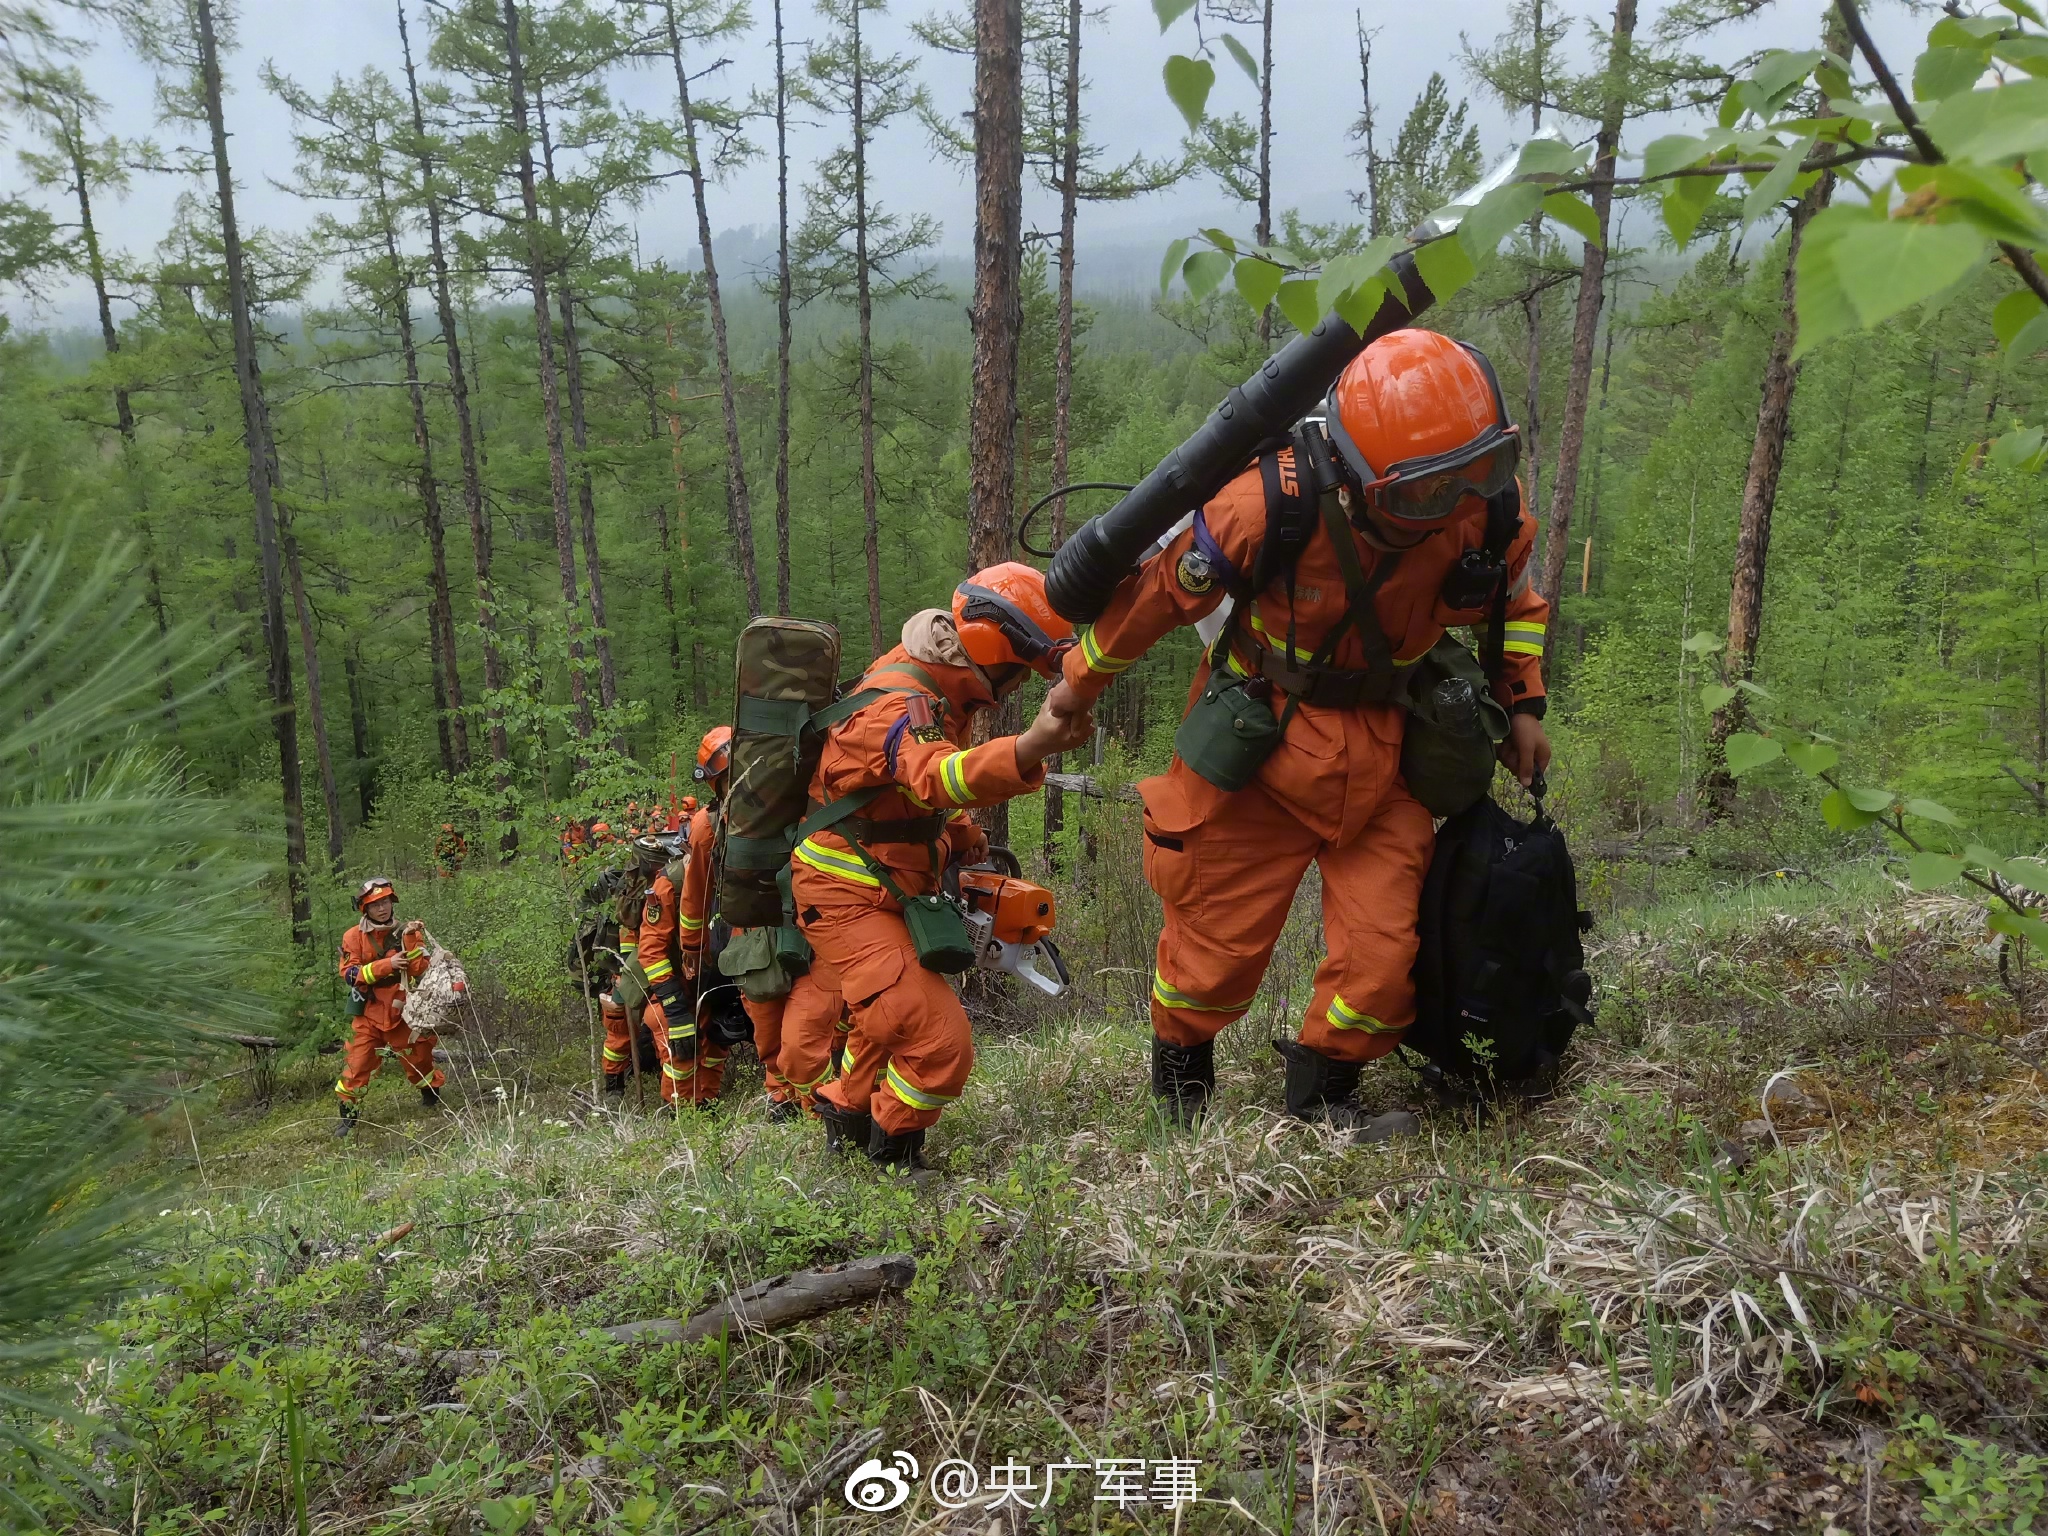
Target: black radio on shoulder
x=1474 y=580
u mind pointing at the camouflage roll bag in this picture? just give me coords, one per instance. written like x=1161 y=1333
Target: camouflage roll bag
x=431 y=1003
x=785 y=671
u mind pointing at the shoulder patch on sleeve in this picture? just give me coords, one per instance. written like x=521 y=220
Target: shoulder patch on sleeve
x=651 y=913
x=1194 y=573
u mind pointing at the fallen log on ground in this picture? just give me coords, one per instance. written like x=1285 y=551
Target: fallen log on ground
x=1081 y=784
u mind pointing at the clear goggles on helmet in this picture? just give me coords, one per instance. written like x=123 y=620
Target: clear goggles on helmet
x=376 y=888
x=1429 y=490
x=1028 y=643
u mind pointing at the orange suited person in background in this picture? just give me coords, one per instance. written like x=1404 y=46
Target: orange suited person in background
x=911 y=1049
x=1422 y=441
x=793 y=1035
x=689 y=1073
x=649 y=854
x=373 y=959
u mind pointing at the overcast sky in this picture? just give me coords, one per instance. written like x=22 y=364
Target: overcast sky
x=1316 y=100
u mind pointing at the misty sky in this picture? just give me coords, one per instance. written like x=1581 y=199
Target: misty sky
x=1316 y=101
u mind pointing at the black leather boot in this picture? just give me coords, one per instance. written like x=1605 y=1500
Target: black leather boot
x=846 y=1130
x=1320 y=1090
x=615 y=1085
x=1183 y=1078
x=349 y=1116
x=905 y=1151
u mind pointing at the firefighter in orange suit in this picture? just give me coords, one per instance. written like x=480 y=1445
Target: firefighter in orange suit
x=910 y=1048
x=649 y=854
x=670 y=1014
x=1421 y=438
x=374 y=958
x=794 y=1034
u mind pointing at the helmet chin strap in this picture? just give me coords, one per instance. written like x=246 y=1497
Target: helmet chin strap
x=1371 y=527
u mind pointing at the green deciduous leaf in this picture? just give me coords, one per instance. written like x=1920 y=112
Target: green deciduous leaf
x=2015 y=312
x=1502 y=209
x=1549 y=157
x=1890 y=266
x=1989 y=861
x=1932 y=810
x=1444 y=267
x=1715 y=696
x=1360 y=304
x=1930 y=871
x=2017 y=450
x=1871 y=800
x=1837 y=812
x=1575 y=213
x=1779 y=72
x=1258 y=281
x=1998 y=125
x=1776 y=182
x=1176 y=253
x=1992 y=197
x=1812 y=758
x=1942 y=72
x=2018 y=925
x=1297 y=301
x=1672 y=151
x=1686 y=204
x=1170 y=11
x=1703 y=642
x=1188 y=83
x=1748 y=751
x=1345 y=273
x=2026 y=53
x=1243 y=56
x=1222 y=239
x=1203 y=271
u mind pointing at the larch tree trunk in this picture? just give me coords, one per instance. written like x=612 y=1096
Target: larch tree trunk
x=1375 y=211
x=256 y=436
x=997 y=311
x=441 y=605
x=1586 y=321
x=864 y=314
x=550 y=391
x=1265 y=229
x=359 y=728
x=1532 y=304
x=739 y=505
x=579 y=435
x=668 y=574
x=1063 y=353
x=1759 y=499
x=316 y=707
x=466 y=446
x=782 y=327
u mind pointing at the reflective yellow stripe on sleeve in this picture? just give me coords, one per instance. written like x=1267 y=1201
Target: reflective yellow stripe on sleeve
x=1097 y=658
x=834 y=861
x=953 y=774
x=661 y=970
x=690 y=924
x=1522 y=638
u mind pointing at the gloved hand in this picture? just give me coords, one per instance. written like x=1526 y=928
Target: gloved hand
x=969 y=839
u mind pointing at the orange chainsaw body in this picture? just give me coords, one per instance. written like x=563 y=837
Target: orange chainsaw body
x=1024 y=913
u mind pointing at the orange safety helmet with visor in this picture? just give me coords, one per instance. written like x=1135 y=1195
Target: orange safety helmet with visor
x=1004 y=619
x=376 y=888
x=714 y=753
x=1420 y=419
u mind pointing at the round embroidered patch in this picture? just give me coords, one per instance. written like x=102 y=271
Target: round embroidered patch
x=1194 y=573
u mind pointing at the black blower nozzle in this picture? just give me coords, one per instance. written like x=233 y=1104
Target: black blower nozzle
x=1287 y=387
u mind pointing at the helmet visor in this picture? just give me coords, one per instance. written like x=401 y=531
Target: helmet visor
x=1426 y=492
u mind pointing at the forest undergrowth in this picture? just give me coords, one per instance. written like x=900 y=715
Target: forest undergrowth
x=1769 y=1259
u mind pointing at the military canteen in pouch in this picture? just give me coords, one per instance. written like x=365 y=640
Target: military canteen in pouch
x=1231 y=729
x=1454 y=724
x=765 y=962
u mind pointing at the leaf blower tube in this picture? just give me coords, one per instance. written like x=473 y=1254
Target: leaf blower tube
x=1289 y=385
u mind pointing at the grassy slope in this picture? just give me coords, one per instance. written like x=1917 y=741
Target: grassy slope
x=1610 y=1311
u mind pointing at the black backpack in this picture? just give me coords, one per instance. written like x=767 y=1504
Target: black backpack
x=1500 y=979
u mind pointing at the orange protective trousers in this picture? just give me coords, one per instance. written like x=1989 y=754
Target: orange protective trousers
x=692 y=1068
x=910 y=1048
x=1227 y=867
x=370 y=1041
x=794 y=1035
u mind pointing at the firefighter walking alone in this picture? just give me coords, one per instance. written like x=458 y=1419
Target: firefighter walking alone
x=375 y=962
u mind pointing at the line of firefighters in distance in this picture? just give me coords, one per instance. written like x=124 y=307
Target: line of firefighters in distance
x=875 y=1044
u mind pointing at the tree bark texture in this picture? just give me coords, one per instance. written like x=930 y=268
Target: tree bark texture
x=1265 y=229
x=465 y=427
x=550 y=392
x=579 y=436
x=1571 y=437
x=1063 y=353
x=316 y=705
x=359 y=728
x=997 y=312
x=256 y=434
x=738 y=502
x=782 y=327
x=864 y=314
x=1759 y=500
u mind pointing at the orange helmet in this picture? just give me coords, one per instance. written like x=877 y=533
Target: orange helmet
x=1004 y=619
x=1419 y=418
x=714 y=753
x=376 y=888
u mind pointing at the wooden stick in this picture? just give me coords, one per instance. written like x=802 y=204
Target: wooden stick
x=782 y=1300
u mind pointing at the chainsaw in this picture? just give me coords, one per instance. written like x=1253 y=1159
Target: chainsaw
x=1010 y=922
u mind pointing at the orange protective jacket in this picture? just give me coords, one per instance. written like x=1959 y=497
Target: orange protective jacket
x=657 y=950
x=372 y=962
x=918 y=744
x=693 y=907
x=1332 y=766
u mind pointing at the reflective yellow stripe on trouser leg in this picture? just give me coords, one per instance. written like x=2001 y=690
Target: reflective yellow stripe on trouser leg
x=1172 y=997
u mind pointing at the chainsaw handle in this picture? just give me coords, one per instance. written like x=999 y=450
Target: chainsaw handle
x=1004 y=861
